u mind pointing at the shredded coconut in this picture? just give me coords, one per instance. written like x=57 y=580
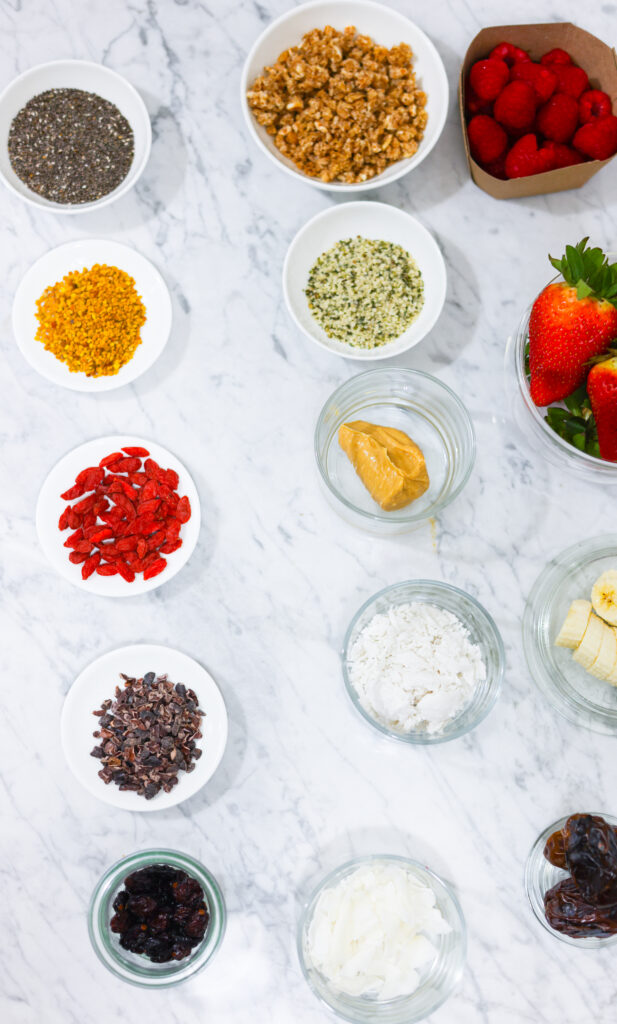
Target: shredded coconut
x=414 y=667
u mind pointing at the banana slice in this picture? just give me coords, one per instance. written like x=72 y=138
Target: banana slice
x=612 y=676
x=604 y=596
x=607 y=655
x=573 y=629
x=589 y=647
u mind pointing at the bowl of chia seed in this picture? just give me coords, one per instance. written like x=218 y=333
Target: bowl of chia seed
x=364 y=280
x=75 y=136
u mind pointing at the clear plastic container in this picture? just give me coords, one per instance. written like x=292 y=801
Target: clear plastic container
x=425 y=409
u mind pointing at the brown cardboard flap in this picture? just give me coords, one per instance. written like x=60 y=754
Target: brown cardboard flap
x=595 y=57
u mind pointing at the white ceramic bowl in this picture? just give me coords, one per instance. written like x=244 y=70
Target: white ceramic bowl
x=51 y=268
x=50 y=507
x=386 y=27
x=74 y=74
x=98 y=683
x=372 y=220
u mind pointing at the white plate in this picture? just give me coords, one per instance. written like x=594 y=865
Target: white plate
x=384 y=26
x=372 y=220
x=51 y=268
x=98 y=683
x=50 y=507
x=74 y=74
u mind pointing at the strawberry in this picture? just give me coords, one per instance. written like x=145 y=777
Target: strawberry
x=515 y=107
x=487 y=139
x=602 y=391
x=594 y=103
x=542 y=80
x=510 y=53
x=563 y=156
x=570 y=79
x=558 y=119
x=525 y=158
x=571 y=321
x=597 y=139
x=488 y=77
x=474 y=105
x=556 y=56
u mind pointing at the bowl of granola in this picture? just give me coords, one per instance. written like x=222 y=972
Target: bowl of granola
x=345 y=96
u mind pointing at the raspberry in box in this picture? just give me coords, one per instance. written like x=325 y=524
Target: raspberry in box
x=597 y=58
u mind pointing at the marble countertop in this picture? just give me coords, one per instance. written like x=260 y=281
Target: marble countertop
x=276 y=576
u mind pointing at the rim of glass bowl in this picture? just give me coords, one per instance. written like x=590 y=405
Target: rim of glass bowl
x=589 y=464
x=392 y=1011
x=492 y=650
x=552 y=684
x=379 y=516
x=141 y=971
x=538 y=870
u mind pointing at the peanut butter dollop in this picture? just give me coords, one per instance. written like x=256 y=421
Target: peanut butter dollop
x=388 y=462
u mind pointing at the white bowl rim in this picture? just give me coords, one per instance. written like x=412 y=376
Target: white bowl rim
x=364 y=355
x=334 y=186
x=124 y=186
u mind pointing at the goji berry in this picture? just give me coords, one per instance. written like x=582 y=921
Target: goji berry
x=124 y=503
x=150 y=490
x=131 y=492
x=63 y=521
x=100 y=506
x=83 y=546
x=74 y=519
x=89 y=519
x=86 y=503
x=143 y=453
x=109 y=552
x=125 y=571
x=90 y=565
x=183 y=510
x=139 y=479
x=74 y=539
x=156 y=540
x=171 y=478
x=78 y=556
x=152 y=469
x=170 y=547
x=173 y=529
x=151 y=559
x=148 y=506
x=103 y=534
x=155 y=568
x=73 y=492
x=137 y=565
x=127 y=544
x=90 y=478
x=142 y=548
x=113 y=517
x=108 y=569
x=109 y=460
x=127 y=465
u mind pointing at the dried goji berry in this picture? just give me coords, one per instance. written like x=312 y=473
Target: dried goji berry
x=139 y=479
x=149 y=490
x=78 y=556
x=152 y=469
x=74 y=519
x=73 y=492
x=173 y=529
x=142 y=548
x=183 y=510
x=103 y=534
x=89 y=519
x=90 y=565
x=124 y=528
x=137 y=565
x=86 y=503
x=124 y=503
x=113 y=517
x=148 y=506
x=74 y=539
x=127 y=544
x=171 y=478
x=100 y=506
x=127 y=465
x=108 y=569
x=90 y=478
x=84 y=546
x=151 y=559
x=131 y=492
x=143 y=453
x=110 y=459
x=126 y=572
x=156 y=540
x=63 y=521
x=171 y=546
x=155 y=568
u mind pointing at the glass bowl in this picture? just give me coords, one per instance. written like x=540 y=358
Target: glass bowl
x=438 y=978
x=132 y=967
x=482 y=631
x=577 y=695
x=411 y=401
x=540 y=876
x=530 y=419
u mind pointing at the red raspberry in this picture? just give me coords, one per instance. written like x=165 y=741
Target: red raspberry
x=525 y=158
x=570 y=79
x=556 y=56
x=563 y=156
x=515 y=107
x=542 y=80
x=474 y=105
x=597 y=139
x=497 y=168
x=487 y=139
x=558 y=119
x=594 y=103
x=488 y=77
x=510 y=53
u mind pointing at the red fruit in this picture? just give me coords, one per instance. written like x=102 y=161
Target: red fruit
x=183 y=510
x=525 y=158
x=570 y=79
x=143 y=453
x=510 y=53
x=487 y=139
x=556 y=56
x=90 y=565
x=497 y=168
x=107 y=569
x=558 y=118
x=563 y=156
x=125 y=571
x=488 y=77
x=474 y=105
x=602 y=391
x=597 y=139
x=515 y=107
x=155 y=568
x=542 y=80
x=594 y=103
x=571 y=322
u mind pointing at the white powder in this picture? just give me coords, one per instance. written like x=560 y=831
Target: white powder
x=368 y=933
x=415 y=667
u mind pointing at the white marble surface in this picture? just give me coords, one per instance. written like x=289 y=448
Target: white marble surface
x=266 y=598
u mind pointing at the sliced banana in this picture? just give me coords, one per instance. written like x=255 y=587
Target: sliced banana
x=612 y=676
x=607 y=655
x=589 y=647
x=575 y=624
x=604 y=596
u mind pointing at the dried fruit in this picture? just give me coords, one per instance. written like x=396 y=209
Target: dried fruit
x=145 y=921
x=586 y=903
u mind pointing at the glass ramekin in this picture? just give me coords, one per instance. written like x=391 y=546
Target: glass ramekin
x=132 y=967
x=530 y=419
x=577 y=695
x=438 y=979
x=411 y=401
x=482 y=631
x=540 y=876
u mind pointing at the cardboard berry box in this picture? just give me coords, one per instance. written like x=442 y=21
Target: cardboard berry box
x=595 y=57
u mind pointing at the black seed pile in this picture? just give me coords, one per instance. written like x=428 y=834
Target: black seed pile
x=70 y=146
x=160 y=913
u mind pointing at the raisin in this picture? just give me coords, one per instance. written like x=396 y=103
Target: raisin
x=141 y=905
x=143 y=453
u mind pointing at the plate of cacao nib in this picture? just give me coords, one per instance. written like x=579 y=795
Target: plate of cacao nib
x=144 y=727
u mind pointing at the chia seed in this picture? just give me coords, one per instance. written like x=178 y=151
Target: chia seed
x=70 y=146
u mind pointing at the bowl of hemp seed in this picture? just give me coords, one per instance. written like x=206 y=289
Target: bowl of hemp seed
x=75 y=136
x=364 y=280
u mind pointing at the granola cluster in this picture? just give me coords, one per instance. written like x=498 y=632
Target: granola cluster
x=341 y=107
